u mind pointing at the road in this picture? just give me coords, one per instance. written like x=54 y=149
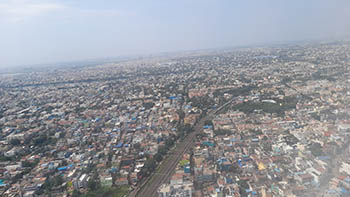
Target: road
x=167 y=167
x=333 y=169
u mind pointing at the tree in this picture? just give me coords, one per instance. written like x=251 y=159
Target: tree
x=162 y=150
x=181 y=114
x=148 y=105
x=169 y=143
x=243 y=185
x=222 y=132
x=76 y=193
x=27 y=164
x=64 y=162
x=150 y=165
x=208 y=122
x=41 y=140
x=316 y=149
x=187 y=128
x=148 y=168
x=267 y=147
x=15 y=142
x=58 y=180
x=50 y=182
x=137 y=146
x=93 y=183
x=202 y=102
x=158 y=157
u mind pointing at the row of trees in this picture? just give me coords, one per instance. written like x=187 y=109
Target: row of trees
x=151 y=162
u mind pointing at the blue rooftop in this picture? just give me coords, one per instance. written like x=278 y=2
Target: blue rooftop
x=344 y=191
x=347 y=179
x=207 y=127
x=62 y=168
x=119 y=145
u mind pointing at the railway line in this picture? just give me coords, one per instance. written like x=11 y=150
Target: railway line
x=167 y=167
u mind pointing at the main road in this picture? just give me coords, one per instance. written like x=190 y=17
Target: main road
x=166 y=168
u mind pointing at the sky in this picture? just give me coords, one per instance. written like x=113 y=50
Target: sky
x=49 y=31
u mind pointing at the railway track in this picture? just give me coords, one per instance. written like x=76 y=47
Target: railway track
x=167 y=167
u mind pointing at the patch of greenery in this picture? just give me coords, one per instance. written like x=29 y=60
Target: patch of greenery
x=202 y=102
x=43 y=140
x=243 y=185
x=108 y=192
x=50 y=183
x=315 y=116
x=279 y=107
x=316 y=149
x=222 y=132
x=148 y=105
x=208 y=122
x=15 y=142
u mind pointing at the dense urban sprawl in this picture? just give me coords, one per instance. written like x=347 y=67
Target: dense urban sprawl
x=282 y=129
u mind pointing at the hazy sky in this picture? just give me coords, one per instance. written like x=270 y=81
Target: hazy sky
x=40 y=31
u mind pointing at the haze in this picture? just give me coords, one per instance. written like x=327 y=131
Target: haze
x=43 y=31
